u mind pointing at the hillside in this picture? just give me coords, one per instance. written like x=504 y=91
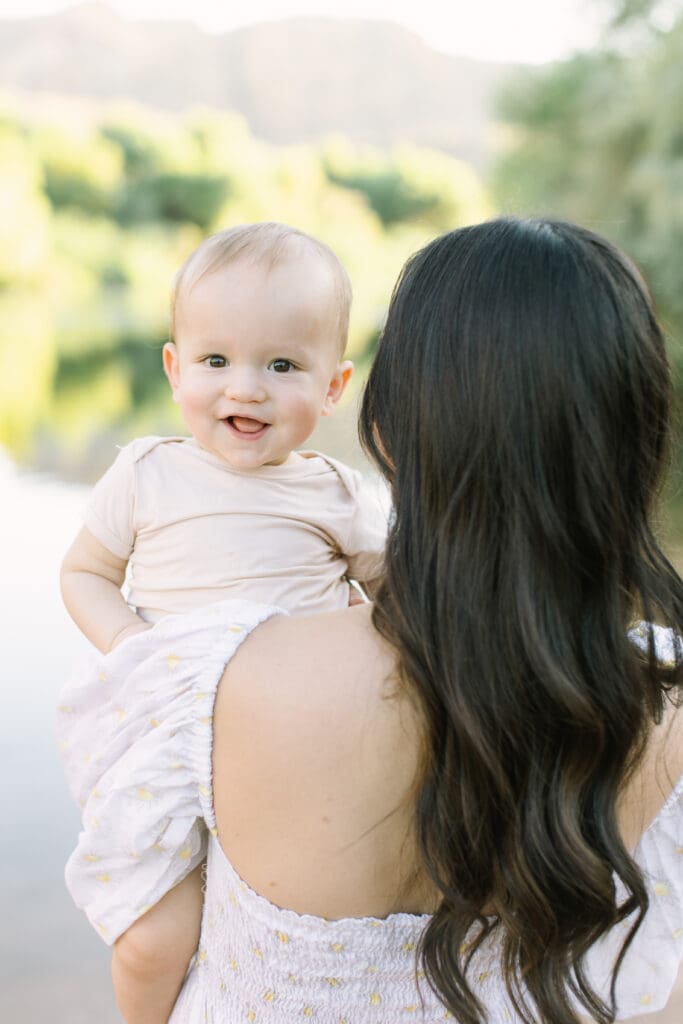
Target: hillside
x=293 y=80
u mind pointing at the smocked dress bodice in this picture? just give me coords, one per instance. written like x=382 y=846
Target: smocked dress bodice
x=260 y=963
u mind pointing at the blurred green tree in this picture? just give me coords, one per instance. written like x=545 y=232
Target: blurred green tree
x=81 y=169
x=178 y=198
x=408 y=184
x=28 y=353
x=598 y=139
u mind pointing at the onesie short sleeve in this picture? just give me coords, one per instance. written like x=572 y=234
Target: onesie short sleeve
x=365 y=540
x=651 y=964
x=368 y=535
x=110 y=512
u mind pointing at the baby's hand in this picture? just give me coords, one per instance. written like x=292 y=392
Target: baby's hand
x=135 y=627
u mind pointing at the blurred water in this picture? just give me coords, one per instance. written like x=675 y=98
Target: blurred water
x=53 y=967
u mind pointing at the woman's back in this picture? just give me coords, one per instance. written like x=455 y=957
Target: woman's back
x=316 y=759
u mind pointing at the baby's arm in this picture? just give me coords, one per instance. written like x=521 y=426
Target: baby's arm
x=151 y=958
x=91 y=579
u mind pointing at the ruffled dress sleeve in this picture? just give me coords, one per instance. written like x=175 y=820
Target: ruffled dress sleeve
x=650 y=968
x=651 y=964
x=136 y=734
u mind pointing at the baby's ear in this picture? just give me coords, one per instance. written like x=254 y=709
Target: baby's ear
x=171 y=367
x=337 y=386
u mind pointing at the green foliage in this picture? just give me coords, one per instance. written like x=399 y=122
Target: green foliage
x=599 y=140
x=387 y=192
x=407 y=184
x=639 y=12
x=136 y=359
x=177 y=198
x=98 y=211
x=140 y=156
x=82 y=171
x=24 y=212
x=28 y=357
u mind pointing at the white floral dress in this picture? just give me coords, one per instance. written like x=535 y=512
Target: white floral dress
x=140 y=764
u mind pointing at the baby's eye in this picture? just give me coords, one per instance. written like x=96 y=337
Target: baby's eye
x=282 y=365
x=215 y=361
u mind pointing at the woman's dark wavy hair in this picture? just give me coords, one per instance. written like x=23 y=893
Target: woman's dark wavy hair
x=519 y=408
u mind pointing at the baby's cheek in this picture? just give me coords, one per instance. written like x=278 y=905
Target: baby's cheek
x=304 y=413
x=196 y=397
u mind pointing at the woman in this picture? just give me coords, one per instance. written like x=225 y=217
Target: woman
x=466 y=800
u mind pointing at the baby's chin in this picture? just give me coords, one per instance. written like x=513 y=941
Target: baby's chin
x=246 y=460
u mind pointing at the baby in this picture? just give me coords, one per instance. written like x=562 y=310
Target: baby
x=259 y=323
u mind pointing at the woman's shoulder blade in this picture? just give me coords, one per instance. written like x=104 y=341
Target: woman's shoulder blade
x=305 y=690
x=327 y=656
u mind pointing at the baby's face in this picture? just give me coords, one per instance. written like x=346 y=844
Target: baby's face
x=256 y=359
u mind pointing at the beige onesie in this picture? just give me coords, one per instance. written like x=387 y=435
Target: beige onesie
x=196 y=531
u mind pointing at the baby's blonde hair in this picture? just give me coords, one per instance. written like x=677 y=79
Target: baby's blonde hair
x=269 y=243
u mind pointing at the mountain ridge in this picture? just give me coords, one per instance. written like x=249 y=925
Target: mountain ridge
x=294 y=80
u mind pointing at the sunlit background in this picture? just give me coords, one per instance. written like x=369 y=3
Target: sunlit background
x=531 y=31
x=130 y=130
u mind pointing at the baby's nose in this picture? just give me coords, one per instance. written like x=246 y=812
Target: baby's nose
x=244 y=385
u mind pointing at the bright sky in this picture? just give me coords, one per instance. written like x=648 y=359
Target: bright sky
x=516 y=30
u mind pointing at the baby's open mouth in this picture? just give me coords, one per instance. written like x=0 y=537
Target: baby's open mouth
x=246 y=425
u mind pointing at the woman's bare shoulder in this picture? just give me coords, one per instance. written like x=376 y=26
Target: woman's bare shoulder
x=313 y=653
x=314 y=762
x=307 y=680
